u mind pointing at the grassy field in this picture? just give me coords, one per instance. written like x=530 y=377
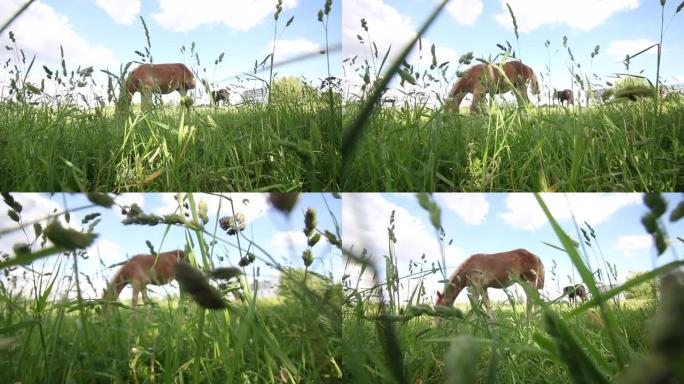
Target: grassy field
x=59 y=132
x=615 y=147
x=288 y=147
x=399 y=137
x=52 y=330
x=75 y=342
x=504 y=350
x=393 y=334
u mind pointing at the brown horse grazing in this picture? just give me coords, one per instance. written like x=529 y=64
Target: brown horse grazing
x=564 y=95
x=482 y=79
x=221 y=95
x=141 y=270
x=575 y=291
x=157 y=78
x=494 y=270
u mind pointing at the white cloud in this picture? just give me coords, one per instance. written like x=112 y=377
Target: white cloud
x=288 y=239
x=629 y=245
x=288 y=48
x=252 y=205
x=523 y=211
x=386 y=27
x=41 y=30
x=465 y=12
x=121 y=11
x=470 y=207
x=235 y=14
x=365 y=219
x=105 y=248
x=583 y=15
x=389 y=30
x=620 y=48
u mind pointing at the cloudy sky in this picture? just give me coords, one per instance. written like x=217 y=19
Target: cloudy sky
x=489 y=223
x=105 y=34
x=619 y=27
x=281 y=237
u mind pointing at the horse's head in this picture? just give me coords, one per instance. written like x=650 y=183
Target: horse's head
x=441 y=299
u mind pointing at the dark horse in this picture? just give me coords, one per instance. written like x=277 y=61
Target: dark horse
x=221 y=95
x=575 y=291
x=157 y=78
x=564 y=95
x=482 y=79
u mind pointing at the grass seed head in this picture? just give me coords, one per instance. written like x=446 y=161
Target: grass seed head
x=68 y=238
x=225 y=273
x=233 y=224
x=309 y=221
x=284 y=202
x=101 y=199
x=194 y=282
x=307 y=257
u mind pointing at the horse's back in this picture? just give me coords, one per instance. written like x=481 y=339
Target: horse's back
x=168 y=77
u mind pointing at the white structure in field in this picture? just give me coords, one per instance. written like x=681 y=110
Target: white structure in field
x=266 y=288
x=256 y=95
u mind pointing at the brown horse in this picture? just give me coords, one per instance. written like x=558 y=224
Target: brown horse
x=482 y=79
x=564 y=95
x=141 y=270
x=495 y=270
x=157 y=78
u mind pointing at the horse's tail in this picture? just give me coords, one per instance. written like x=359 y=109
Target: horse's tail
x=534 y=82
x=540 y=275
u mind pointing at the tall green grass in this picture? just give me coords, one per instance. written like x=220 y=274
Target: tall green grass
x=49 y=337
x=617 y=147
x=68 y=149
x=393 y=339
x=411 y=143
x=71 y=140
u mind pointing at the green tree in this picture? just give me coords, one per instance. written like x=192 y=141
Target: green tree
x=290 y=89
x=644 y=290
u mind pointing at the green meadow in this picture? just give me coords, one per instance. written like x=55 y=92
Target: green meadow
x=622 y=146
x=289 y=147
x=52 y=330
x=621 y=135
x=627 y=333
x=60 y=129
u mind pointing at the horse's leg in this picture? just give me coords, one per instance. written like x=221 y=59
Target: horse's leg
x=487 y=304
x=529 y=305
x=521 y=95
x=454 y=103
x=477 y=99
x=145 y=98
x=145 y=298
x=474 y=297
x=136 y=291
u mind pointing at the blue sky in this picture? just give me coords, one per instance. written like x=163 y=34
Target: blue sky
x=489 y=223
x=105 y=34
x=271 y=230
x=619 y=27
